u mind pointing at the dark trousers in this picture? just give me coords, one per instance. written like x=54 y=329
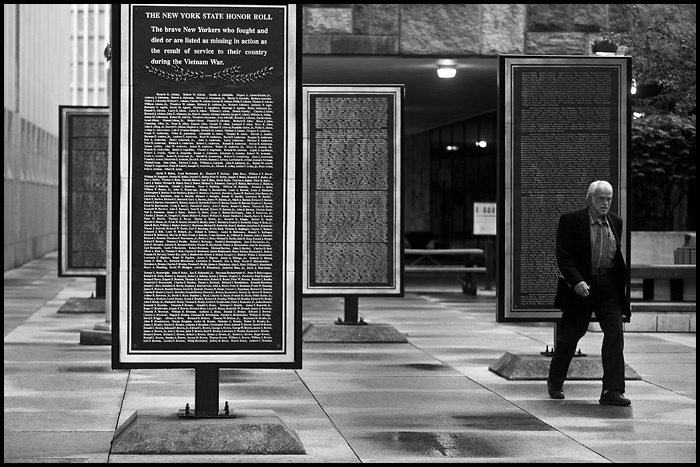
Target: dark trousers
x=605 y=301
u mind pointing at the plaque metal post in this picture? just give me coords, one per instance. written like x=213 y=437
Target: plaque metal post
x=206 y=390
x=100 y=286
x=351 y=313
x=206 y=394
x=550 y=353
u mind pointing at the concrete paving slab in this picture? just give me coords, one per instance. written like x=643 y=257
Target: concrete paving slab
x=49 y=401
x=51 y=353
x=57 y=446
x=629 y=430
x=379 y=348
x=646 y=452
x=398 y=384
x=386 y=369
x=654 y=345
x=221 y=459
x=679 y=378
x=682 y=359
x=551 y=411
x=92 y=379
x=60 y=420
x=518 y=394
x=422 y=446
x=410 y=400
x=684 y=338
x=394 y=354
x=458 y=418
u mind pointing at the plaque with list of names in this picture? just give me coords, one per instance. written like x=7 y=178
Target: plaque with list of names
x=83 y=164
x=352 y=190
x=565 y=123
x=205 y=198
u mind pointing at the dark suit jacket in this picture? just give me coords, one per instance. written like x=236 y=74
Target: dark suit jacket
x=574 y=259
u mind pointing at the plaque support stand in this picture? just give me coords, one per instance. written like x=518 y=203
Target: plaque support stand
x=100 y=286
x=550 y=353
x=531 y=367
x=353 y=329
x=206 y=395
x=204 y=430
x=101 y=334
x=206 y=391
x=351 y=312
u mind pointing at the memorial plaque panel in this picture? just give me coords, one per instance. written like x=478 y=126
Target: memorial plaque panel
x=352 y=193
x=565 y=123
x=83 y=164
x=206 y=193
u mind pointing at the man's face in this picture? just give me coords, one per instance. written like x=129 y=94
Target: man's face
x=600 y=203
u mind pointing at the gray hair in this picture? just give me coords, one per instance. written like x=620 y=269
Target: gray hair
x=595 y=186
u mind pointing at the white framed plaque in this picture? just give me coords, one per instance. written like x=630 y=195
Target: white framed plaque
x=352 y=215
x=205 y=186
x=564 y=122
x=83 y=164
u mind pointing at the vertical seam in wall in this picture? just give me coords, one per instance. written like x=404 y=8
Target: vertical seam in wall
x=399 y=14
x=17 y=57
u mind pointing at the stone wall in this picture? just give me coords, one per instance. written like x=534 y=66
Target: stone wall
x=457 y=29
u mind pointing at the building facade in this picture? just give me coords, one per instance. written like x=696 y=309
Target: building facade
x=36 y=68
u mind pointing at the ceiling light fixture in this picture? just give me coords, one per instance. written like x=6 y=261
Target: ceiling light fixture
x=446 y=72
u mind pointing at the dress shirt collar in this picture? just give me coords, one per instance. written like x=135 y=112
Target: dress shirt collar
x=602 y=220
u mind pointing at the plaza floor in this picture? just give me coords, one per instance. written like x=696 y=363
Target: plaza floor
x=431 y=399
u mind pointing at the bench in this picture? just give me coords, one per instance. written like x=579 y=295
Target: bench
x=686 y=254
x=668 y=302
x=666 y=282
x=440 y=261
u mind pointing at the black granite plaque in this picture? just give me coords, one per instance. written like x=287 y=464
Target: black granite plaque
x=208 y=221
x=565 y=124
x=352 y=197
x=83 y=164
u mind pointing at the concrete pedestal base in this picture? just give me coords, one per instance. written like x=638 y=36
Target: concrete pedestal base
x=100 y=335
x=536 y=367
x=250 y=432
x=342 y=333
x=83 y=305
x=95 y=337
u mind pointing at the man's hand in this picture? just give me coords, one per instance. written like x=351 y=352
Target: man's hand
x=582 y=289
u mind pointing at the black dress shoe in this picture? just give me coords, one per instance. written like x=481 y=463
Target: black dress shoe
x=554 y=392
x=613 y=397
